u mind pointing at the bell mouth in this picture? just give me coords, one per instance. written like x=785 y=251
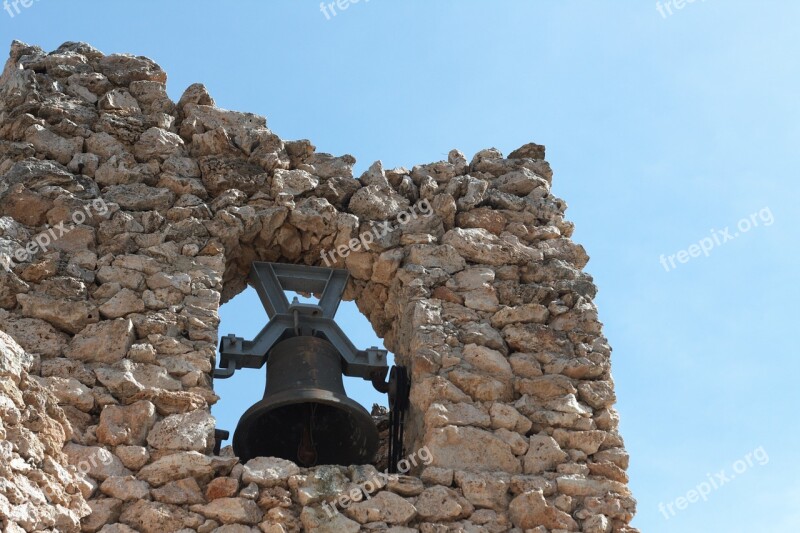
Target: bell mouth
x=308 y=427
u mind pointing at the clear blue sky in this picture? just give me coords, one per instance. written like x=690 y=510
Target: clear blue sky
x=659 y=129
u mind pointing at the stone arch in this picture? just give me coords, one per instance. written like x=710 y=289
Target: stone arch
x=484 y=300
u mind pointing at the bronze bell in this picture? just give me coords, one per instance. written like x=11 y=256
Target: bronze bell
x=305 y=415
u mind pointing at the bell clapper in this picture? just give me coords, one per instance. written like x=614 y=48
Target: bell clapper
x=307 y=451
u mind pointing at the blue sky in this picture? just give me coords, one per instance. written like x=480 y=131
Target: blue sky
x=659 y=129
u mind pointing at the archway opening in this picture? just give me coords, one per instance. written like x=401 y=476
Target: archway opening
x=244 y=316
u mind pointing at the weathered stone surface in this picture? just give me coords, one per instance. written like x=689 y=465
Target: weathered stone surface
x=157 y=143
x=597 y=524
x=444 y=257
x=154 y=517
x=66 y=315
x=434 y=475
x=471 y=449
x=177 y=466
x=52 y=145
x=377 y=203
x=480 y=246
x=471 y=278
x=23 y=206
x=123 y=69
x=482 y=334
x=329 y=166
x=530 y=509
x=487 y=360
x=140 y=197
x=459 y=414
x=125 y=488
x=170 y=402
x=405 y=485
x=211 y=117
x=294 y=182
x=520 y=182
x=324 y=483
x=14 y=361
x=530 y=337
x=608 y=470
x=268 y=471
x=588 y=442
x=528 y=151
x=189 y=431
x=119 y=100
x=133 y=457
x=104 y=342
x=543 y=454
x=481 y=387
x=521 y=314
x=96 y=462
x=505 y=416
x=525 y=365
x=546 y=387
x=117 y=528
x=69 y=391
x=485 y=490
x=597 y=394
x=122 y=304
x=482 y=217
x=383 y=507
x=104 y=511
x=231 y=511
x=35 y=174
x=577 y=485
x=320 y=522
x=222 y=487
x=442 y=504
x=180 y=492
x=221 y=174
x=105 y=146
x=126 y=378
x=33 y=430
x=126 y=425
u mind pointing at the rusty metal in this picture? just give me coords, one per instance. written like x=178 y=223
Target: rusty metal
x=305 y=415
x=270 y=281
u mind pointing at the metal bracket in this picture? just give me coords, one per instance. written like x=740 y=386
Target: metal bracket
x=270 y=281
x=399 y=388
x=219 y=436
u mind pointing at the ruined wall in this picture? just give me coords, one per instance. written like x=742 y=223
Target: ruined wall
x=127 y=219
x=38 y=488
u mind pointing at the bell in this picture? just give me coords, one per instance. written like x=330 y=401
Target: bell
x=305 y=415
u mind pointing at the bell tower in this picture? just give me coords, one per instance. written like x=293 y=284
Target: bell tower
x=127 y=219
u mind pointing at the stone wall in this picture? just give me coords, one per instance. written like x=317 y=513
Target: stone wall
x=127 y=219
x=38 y=488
